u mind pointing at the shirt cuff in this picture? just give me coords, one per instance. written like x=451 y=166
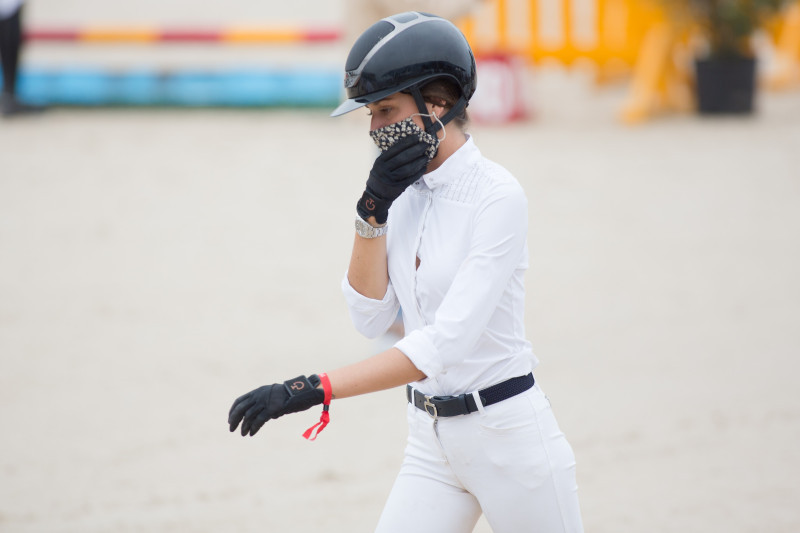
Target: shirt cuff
x=371 y=317
x=422 y=352
x=358 y=302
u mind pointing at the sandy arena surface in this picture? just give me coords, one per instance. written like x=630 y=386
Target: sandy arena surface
x=155 y=264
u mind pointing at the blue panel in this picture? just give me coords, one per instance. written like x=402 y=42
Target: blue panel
x=139 y=87
x=83 y=87
x=191 y=88
x=35 y=86
x=194 y=88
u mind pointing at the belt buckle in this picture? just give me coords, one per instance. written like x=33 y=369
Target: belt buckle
x=430 y=408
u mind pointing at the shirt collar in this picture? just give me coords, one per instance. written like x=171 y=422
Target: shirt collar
x=454 y=166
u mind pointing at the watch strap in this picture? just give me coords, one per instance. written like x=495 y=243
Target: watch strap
x=367 y=230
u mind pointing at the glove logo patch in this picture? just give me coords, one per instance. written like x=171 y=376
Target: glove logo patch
x=298 y=385
x=370 y=203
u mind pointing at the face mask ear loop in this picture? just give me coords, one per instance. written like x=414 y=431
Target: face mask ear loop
x=441 y=125
x=438 y=120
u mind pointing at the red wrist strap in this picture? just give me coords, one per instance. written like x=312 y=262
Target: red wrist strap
x=326 y=403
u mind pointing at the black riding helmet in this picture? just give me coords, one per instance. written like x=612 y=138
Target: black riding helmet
x=402 y=53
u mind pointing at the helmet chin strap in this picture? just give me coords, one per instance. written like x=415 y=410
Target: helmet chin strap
x=431 y=126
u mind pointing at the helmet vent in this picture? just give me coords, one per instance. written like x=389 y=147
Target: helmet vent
x=405 y=17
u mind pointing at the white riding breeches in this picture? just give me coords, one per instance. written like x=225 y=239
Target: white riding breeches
x=510 y=462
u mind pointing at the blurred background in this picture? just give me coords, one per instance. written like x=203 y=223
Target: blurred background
x=176 y=218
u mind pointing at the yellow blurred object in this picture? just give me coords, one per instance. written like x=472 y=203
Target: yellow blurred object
x=617 y=37
x=257 y=35
x=787 y=51
x=119 y=35
x=605 y=32
x=658 y=81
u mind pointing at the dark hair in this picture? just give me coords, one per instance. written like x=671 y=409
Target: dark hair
x=444 y=92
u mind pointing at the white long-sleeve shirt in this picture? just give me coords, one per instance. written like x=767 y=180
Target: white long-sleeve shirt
x=463 y=308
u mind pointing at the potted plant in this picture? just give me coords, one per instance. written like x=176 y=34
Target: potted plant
x=725 y=63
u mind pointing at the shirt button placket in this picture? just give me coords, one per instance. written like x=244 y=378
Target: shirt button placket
x=420 y=229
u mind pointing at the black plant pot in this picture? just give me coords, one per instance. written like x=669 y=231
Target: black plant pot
x=725 y=85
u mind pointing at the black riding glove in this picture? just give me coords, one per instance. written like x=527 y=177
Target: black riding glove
x=273 y=401
x=395 y=169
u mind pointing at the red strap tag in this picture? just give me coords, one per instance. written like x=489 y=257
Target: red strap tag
x=326 y=417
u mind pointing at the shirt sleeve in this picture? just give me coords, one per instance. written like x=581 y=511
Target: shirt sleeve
x=497 y=249
x=372 y=318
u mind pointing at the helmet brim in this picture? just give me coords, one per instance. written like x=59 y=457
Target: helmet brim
x=351 y=104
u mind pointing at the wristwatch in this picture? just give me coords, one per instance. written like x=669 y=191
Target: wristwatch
x=367 y=230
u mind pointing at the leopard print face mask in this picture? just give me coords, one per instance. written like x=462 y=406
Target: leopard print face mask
x=387 y=136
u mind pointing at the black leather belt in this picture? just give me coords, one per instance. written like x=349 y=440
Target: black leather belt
x=464 y=404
